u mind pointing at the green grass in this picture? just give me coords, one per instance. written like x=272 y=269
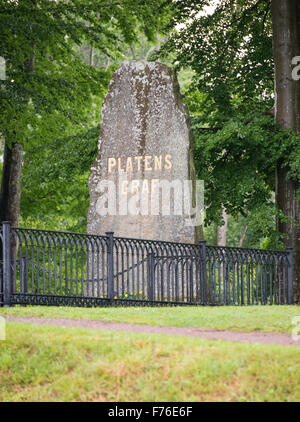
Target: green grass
x=259 y=318
x=46 y=363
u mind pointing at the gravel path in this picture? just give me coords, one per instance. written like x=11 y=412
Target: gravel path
x=282 y=339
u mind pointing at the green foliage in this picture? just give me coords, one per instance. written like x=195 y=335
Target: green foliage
x=55 y=176
x=48 y=89
x=225 y=66
x=52 y=93
x=259 y=227
x=228 y=51
x=237 y=164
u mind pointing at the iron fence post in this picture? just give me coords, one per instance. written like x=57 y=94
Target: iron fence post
x=6 y=263
x=290 y=275
x=110 y=264
x=203 y=278
x=150 y=276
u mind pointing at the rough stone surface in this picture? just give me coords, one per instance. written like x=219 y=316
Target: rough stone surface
x=143 y=115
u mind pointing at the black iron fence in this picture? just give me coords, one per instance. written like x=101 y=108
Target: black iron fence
x=44 y=267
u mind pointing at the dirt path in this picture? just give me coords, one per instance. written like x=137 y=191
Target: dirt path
x=282 y=339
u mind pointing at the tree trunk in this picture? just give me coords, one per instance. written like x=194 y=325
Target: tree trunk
x=286 y=45
x=242 y=238
x=10 y=195
x=11 y=186
x=222 y=230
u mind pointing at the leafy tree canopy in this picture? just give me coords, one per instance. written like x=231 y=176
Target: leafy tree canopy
x=55 y=176
x=46 y=79
x=228 y=51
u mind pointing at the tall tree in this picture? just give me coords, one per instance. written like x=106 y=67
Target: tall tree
x=286 y=46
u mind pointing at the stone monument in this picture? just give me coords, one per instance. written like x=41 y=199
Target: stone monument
x=138 y=182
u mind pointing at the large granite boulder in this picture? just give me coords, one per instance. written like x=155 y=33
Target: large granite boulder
x=144 y=139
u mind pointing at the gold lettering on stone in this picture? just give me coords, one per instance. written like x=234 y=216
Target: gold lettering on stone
x=135 y=186
x=168 y=163
x=139 y=159
x=158 y=162
x=119 y=165
x=145 y=186
x=111 y=164
x=147 y=164
x=129 y=166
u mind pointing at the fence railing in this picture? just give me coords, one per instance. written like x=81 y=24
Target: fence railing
x=61 y=268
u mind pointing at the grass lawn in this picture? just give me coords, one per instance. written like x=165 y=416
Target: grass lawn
x=260 y=318
x=46 y=363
